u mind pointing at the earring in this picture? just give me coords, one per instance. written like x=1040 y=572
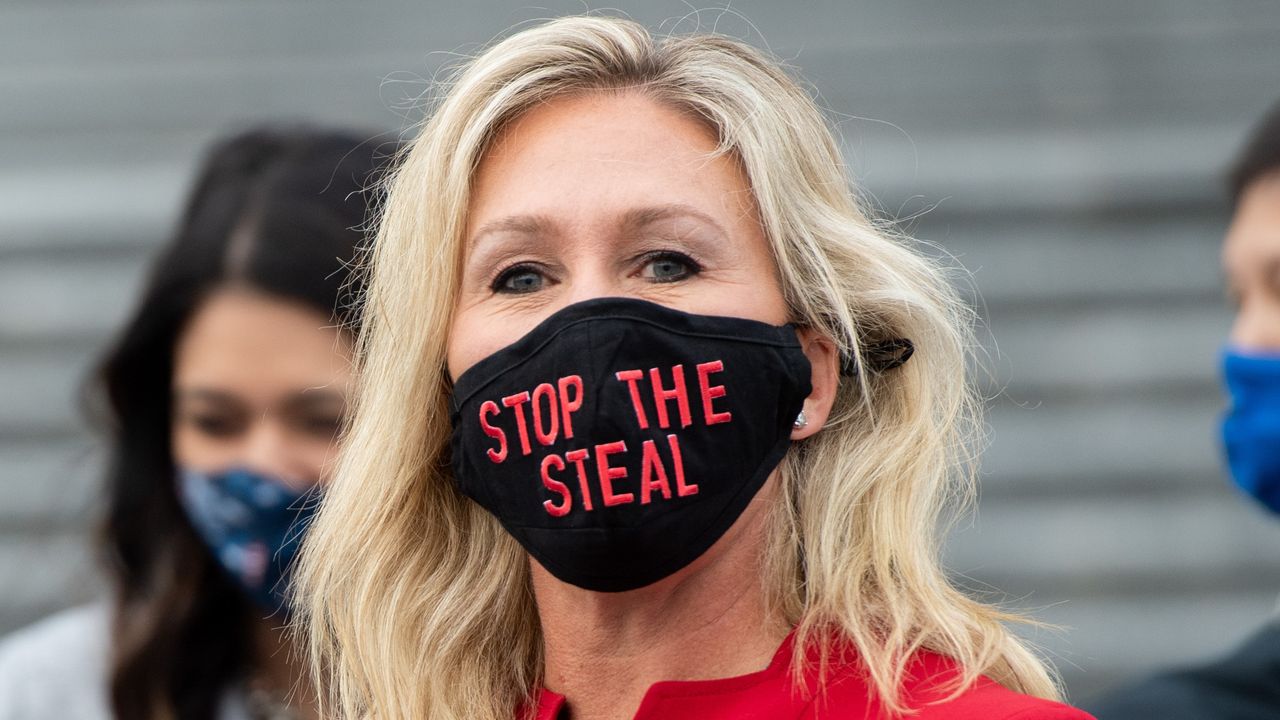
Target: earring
x=801 y=421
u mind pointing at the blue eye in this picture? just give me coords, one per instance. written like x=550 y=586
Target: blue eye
x=519 y=279
x=667 y=266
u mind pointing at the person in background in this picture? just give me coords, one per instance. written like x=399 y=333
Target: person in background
x=639 y=431
x=222 y=399
x=1246 y=684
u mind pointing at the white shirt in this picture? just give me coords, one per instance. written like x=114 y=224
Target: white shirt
x=56 y=669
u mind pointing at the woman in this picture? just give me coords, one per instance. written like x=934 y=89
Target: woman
x=223 y=396
x=639 y=431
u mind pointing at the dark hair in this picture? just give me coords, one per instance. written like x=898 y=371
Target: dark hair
x=1260 y=156
x=277 y=210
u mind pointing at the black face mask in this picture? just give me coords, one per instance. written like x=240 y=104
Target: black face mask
x=619 y=439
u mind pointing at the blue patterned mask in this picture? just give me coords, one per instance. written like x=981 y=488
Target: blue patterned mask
x=252 y=524
x=1251 y=428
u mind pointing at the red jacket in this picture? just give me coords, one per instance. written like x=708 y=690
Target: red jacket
x=771 y=695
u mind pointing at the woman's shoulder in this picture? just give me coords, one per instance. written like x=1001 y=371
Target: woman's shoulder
x=930 y=683
x=72 y=639
x=988 y=700
x=70 y=625
x=56 y=667
x=985 y=699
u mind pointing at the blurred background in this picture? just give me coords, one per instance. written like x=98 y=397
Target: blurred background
x=1069 y=155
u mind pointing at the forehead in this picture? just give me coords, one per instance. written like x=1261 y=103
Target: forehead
x=604 y=152
x=246 y=342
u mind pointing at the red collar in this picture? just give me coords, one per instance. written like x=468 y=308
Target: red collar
x=845 y=694
x=663 y=692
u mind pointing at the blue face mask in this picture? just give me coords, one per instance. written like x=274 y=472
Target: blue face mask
x=1251 y=428
x=252 y=524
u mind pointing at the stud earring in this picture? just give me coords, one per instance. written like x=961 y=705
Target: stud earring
x=801 y=421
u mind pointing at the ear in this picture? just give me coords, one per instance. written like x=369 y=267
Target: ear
x=824 y=359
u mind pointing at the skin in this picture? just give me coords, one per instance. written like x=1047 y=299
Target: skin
x=1251 y=261
x=616 y=195
x=260 y=383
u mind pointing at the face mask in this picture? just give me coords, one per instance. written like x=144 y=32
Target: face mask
x=253 y=525
x=1251 y=428
x=619 y=439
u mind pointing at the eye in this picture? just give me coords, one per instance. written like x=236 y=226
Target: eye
x=215 y=426
x=519 y=279
x=669 y=266
x=323 y=427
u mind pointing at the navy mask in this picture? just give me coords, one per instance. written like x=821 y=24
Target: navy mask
x=619 y=439
x=252 y=524
x=1251 y=428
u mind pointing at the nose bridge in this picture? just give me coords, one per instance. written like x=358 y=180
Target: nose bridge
x=590 y=290
x=267 y=449
x=593 y=274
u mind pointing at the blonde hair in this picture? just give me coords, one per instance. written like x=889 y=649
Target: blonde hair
x=416 y=603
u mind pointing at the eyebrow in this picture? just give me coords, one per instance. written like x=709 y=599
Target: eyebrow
x=216 y=397
x=307 y=398
x=638 y=218
x=316 y=400
x=516 y=224
x=632 y=220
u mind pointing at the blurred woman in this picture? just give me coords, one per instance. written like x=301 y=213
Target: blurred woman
x=222 y=399
x=639 y=430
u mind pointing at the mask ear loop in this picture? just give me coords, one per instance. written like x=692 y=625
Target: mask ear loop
x=881 y=357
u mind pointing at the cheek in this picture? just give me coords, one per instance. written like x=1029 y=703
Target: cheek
x=476 y=334
x=194 y=449
x=461 y=352
x=180 y=446
x=747 y=288
x=754 y=303
x=315 y=460
x=754 y=295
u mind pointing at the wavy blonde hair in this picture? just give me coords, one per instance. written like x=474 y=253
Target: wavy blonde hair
x=414 y=601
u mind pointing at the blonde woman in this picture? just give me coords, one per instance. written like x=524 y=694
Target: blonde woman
x=640 y=432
